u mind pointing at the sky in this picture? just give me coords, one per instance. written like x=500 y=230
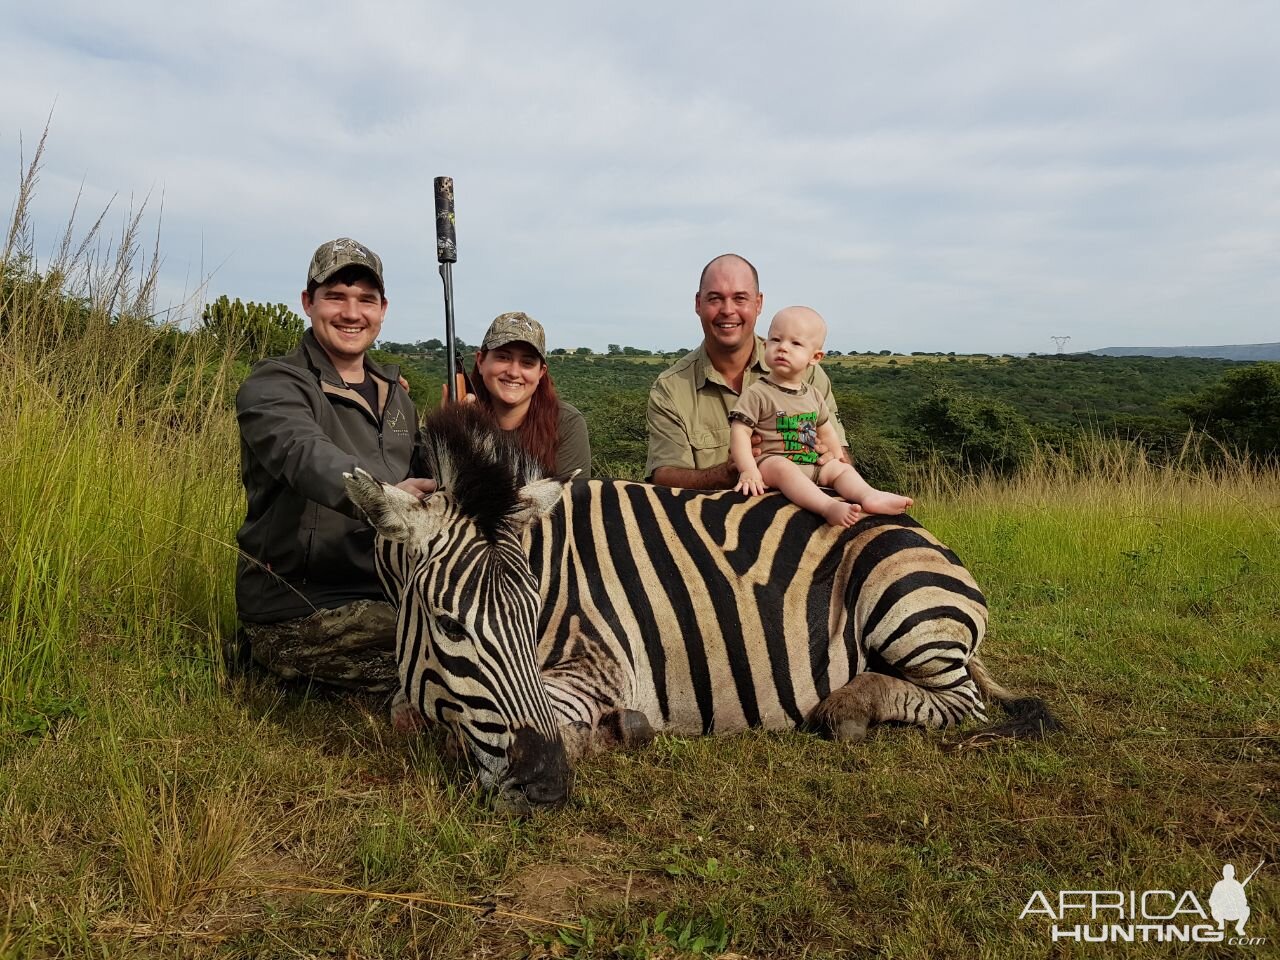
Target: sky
x=976 y=176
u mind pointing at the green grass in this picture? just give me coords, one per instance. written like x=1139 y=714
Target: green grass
x=150 y=807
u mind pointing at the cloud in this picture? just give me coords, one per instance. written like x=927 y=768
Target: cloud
x=933 y=176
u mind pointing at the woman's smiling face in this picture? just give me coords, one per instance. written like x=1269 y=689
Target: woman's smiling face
x=512 y=373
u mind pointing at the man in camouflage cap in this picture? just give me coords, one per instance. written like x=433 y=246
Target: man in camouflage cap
x=308 y=598
x=339 y=254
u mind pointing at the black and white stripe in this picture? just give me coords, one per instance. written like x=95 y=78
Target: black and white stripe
x=705 y=613
x=711 y=612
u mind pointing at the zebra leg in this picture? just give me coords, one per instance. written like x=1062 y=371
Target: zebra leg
x=578 y=738
x=624 y=728
x=878 y=698
x=617 y=728
x=586 y=689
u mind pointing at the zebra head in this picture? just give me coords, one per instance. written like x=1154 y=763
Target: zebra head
x=469 y=604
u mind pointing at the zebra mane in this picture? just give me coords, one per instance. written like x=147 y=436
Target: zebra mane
x=482 y=466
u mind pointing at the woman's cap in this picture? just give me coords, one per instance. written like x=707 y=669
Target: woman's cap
x=511 y=327
x=339 y=254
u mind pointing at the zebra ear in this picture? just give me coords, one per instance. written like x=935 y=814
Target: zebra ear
x=384 y=506
x=537 y=499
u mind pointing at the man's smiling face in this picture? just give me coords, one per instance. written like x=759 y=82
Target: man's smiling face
x=346 y=316
x=728 y=304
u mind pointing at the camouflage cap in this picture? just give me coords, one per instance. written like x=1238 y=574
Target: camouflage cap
x=338 y=254
x=511 y=327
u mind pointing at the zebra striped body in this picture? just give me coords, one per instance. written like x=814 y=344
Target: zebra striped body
x=710 y=613
x=542 y=618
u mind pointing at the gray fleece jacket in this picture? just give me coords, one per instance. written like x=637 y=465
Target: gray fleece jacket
x=303 y=544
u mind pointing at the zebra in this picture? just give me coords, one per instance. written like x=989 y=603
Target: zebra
x=543 y=618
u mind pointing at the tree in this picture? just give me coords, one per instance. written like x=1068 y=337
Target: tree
x=614 y=349
x=252 y=330
x=583 y=352
x=1242 y=409
x=970 y=432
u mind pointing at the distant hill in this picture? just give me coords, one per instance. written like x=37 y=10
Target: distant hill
x=1231 y=351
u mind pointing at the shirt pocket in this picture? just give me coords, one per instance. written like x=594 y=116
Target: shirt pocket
x=710 y=446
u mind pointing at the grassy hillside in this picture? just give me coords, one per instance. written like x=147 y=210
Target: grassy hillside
x=1059 y=396
x=154 y=809
x=1055 y=391
x=1068 y=390
x=151 y=807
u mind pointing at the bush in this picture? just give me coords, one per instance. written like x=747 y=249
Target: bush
x=252 y=330
x=878 y=458
x=1243 y=409
x=970 y=434
x=619 y=437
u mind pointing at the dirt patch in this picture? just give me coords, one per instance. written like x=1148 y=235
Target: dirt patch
x=558 y=891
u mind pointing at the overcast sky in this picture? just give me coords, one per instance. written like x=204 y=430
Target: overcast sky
x=969 y=176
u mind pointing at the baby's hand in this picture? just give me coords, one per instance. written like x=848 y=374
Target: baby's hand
x=750 y=483
x=825 y=455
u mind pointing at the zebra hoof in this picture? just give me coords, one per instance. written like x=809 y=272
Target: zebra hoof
x=512 y=804
x=624 y=728
x=850 y=730
x=635 y=729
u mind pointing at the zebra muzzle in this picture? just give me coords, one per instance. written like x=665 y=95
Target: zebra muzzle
x=538 y=772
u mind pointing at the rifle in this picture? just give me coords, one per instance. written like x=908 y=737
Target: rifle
x=447 y=254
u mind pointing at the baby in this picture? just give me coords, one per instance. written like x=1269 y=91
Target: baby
x=792 y=419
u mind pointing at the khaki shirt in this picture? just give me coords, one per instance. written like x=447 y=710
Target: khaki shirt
x=689 y=404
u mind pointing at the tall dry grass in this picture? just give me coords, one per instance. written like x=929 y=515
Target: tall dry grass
x=121 y=496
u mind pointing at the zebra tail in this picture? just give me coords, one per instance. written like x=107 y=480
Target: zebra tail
x=1029 y=718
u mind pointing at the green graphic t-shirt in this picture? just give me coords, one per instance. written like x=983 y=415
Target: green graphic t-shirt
x=787 y=420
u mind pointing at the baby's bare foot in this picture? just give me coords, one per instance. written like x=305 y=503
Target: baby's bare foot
x=841 y=513
x=878 y=501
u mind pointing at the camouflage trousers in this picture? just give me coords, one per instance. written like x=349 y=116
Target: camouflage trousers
x=352 y=646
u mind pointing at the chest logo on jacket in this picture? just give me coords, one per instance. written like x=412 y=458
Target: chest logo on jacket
x=395 y=422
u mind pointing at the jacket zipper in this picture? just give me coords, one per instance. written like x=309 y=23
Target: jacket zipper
x=314 y=510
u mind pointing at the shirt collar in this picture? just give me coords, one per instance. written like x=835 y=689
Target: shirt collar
x=321 y=363
x=704 y=372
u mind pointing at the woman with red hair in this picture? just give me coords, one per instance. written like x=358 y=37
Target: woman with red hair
x=512 y=381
